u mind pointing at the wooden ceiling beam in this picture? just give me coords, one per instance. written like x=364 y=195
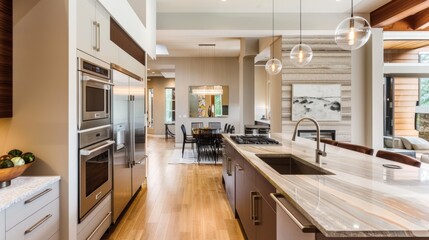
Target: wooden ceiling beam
x=396 y=10
x=421 y=20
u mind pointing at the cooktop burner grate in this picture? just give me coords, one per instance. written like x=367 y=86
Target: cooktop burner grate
x=245 y=139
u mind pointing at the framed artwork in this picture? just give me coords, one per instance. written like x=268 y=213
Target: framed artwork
x=319 y=101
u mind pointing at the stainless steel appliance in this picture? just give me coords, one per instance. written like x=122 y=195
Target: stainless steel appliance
x=94 y=87
x=253 y=139
x=129 y=134
x=95 y=167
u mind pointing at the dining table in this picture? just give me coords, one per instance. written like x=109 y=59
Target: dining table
x=208 y=143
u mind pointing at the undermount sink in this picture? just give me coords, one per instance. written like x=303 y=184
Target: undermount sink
x=287 y=164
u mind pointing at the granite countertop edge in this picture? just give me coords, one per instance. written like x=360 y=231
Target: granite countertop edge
x=23 y=187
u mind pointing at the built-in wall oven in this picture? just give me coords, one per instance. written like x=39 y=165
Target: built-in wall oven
x=95 y=167
x=94 y=87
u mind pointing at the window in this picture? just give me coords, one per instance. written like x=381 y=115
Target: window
x=424 y=83
x=150 y=108
x=170 y=105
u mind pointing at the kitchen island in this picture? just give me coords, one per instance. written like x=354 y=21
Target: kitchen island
x=359 y=198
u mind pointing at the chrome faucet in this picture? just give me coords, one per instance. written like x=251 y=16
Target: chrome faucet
x=318 y=151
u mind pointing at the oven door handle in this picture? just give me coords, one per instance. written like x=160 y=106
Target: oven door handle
x=88 y=78
x=86 y=152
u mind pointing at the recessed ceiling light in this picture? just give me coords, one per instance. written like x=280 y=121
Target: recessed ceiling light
x=223 y=0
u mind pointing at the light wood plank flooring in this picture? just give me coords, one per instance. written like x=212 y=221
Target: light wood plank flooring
x=180 y=201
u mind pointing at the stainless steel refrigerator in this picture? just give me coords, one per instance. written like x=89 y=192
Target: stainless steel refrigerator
x=129 y=133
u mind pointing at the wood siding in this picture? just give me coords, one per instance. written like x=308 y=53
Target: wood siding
x=6 y=59
x=406 y=92
x=330 y=65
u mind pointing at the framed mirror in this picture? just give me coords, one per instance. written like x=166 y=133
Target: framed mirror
x=208 y=101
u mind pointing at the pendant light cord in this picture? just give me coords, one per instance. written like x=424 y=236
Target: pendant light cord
x=272 y=46
x=352 y=8
x=300 y=22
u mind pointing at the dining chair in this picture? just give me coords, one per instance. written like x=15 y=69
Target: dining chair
x=225 y=129
x=329 y=141
x=206 y=144
x=356 y=148
x=187 y=139
x=231 y=129
x=197 y=125
x=215 y=125
x=398 y=157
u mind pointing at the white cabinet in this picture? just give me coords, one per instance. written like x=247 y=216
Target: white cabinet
x=36 y=217
x=97 y=222
x=2 y=226
x=93 y=30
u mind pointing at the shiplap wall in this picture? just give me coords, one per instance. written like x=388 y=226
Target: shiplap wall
x=406 y=91
x=406 y=96
x=330 y=65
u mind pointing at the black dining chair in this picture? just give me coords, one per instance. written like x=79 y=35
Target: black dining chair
x=225 y=129
x=231 y=129
x=206 y=144
x=187 y=139
x=195 y=125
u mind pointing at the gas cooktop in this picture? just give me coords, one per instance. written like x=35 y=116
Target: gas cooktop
x=247 y=139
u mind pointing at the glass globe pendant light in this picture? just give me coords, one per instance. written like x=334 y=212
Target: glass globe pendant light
x=273 y=66
x=353 y=32
x=301 y=54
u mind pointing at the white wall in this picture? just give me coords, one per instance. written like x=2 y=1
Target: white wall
x=260 y=92
x=202 y=71
x=374 y=90
x=159 y=84
x=44 y=120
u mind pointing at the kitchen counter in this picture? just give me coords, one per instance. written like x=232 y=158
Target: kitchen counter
x=361 y=199
x=23 y=187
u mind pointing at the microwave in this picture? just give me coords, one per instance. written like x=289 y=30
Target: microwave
x=95 y=89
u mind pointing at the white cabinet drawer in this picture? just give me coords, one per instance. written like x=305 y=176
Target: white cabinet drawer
x=97 y=222
x=41 y=225
x=2 y=225
x=21 y=210
x=56 y=236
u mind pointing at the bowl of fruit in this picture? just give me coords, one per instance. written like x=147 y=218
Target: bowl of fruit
x=13 y=164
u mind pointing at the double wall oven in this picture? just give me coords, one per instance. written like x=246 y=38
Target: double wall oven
x=95 y=132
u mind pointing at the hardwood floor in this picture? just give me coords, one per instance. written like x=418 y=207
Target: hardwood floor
x=180 y=201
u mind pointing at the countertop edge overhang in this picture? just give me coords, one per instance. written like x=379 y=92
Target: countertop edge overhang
x=361 y=199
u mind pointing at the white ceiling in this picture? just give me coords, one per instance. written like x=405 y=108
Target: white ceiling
x=264 y=6
x=184 y=42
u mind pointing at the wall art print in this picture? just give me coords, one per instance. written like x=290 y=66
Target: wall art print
x=319 y=101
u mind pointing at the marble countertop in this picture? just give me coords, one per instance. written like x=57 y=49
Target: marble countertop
x=23 y=187
x=361 y=199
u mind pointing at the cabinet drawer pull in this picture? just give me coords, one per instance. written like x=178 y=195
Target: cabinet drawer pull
x=98 y=37
x=228 y=166
x=307 y=228
x=37 y=196
x=32 y=228
x=239 y=168
x=94 y=23
x=254 y=210
x=99 y=226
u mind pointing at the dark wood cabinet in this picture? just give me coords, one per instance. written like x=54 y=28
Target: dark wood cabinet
x=228 y=174
x=6 y=58
x=253 y=204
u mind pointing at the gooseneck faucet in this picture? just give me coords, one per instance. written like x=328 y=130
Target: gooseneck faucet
x=318 y=151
